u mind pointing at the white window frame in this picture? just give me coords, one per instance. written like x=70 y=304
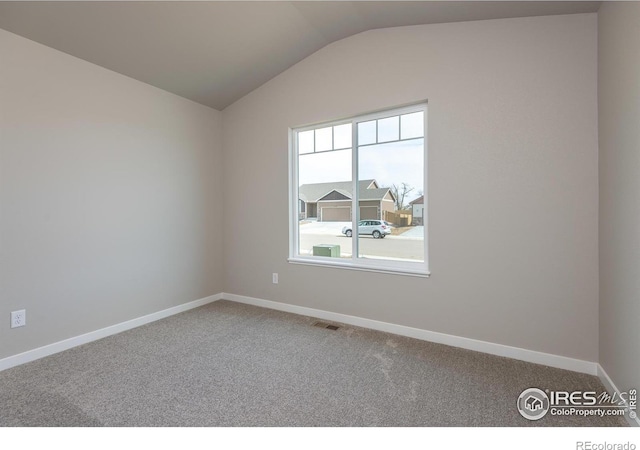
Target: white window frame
x=412 y=268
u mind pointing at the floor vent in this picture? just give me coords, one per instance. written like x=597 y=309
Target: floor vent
x=328 y=326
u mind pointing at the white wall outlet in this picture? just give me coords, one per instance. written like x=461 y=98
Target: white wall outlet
x=275 y=278
x=18 y=318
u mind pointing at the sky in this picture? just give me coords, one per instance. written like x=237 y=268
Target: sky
x=388 y=163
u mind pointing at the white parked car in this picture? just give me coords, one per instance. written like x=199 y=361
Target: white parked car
x=376 y=228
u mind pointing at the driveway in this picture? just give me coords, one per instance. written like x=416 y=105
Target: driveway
x=415 y=232
x=327 y=228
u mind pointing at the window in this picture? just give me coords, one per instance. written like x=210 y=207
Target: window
x=358 y=192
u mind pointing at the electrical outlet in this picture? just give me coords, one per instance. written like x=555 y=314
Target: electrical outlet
x=18 y=318
x=275 y=278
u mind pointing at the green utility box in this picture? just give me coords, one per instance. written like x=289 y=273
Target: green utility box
x=330 y=250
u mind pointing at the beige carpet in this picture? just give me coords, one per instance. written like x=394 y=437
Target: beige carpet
x=228 y=364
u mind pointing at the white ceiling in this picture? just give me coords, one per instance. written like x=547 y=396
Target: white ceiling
x=216 y=52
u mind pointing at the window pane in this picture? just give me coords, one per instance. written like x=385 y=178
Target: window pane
x=305 y=142
x=388 y=129
x=324 y=139
x=389 y=209
x=325 y=167
x=342 y=136
x=324 y=190
x=412 y=125
x=367 y=132
x=400 y=178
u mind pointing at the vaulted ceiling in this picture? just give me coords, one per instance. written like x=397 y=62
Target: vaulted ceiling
x=216 y=52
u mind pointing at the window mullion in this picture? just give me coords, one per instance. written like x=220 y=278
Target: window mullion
x=377 y=131
x=354 y=198
x=333 y=138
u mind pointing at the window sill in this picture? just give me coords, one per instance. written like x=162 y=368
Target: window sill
x=329 y=262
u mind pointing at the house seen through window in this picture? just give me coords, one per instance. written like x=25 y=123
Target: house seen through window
x=358 y=192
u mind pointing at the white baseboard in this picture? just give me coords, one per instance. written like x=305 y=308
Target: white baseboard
x=532 y=356
x=66 y=344
x=561 y=362
x=611 y=388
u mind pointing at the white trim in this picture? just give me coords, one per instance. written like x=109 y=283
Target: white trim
x=426 y=223
x=372 y=265
x=294 y=193
x=388 y=265
x=316 y=126
x=355 y=188
x=561 y=362
x=611 y=388
x=47 y=350
x=391 y=112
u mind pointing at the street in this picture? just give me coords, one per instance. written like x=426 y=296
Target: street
x=391 y=247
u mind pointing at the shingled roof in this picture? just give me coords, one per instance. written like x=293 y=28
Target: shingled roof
x=369 y=190
x=418 y=201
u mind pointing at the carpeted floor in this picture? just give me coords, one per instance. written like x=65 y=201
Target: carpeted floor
x=229 y=364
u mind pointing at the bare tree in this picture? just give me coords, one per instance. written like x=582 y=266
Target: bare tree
x=400 y=192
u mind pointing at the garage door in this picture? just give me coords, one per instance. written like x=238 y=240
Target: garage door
x=337 y=214
x=369 y=212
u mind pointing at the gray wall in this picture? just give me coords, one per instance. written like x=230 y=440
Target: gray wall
x=619 y=135
x=109 y=193
x=111 y=190
x=513 y=189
